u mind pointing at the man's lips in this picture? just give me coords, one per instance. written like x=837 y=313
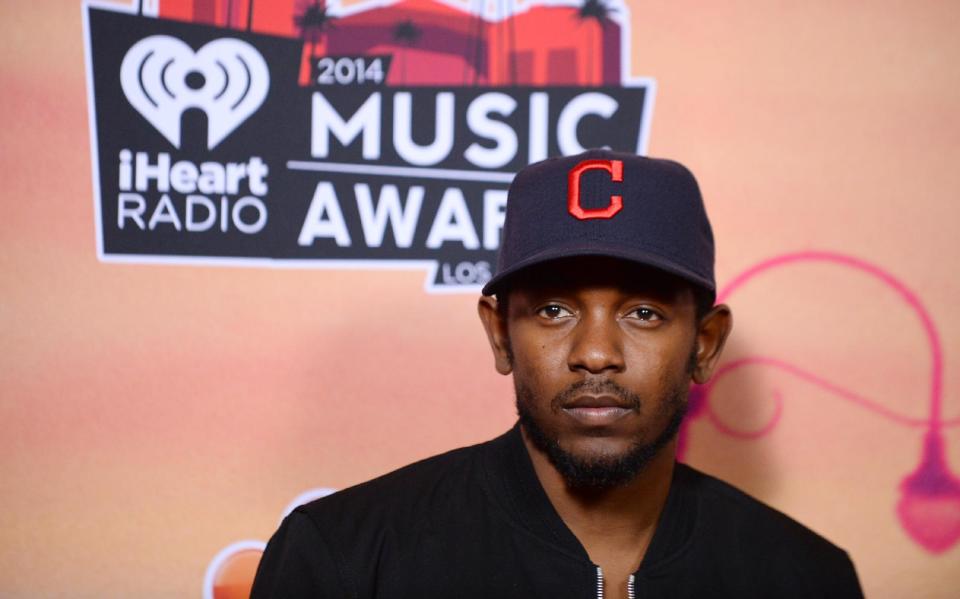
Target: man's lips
x=597 y=409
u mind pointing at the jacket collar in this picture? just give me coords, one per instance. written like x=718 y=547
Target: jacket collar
x=510 y=476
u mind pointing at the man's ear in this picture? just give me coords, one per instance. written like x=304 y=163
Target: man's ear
x=496 y=327
x=712 y=333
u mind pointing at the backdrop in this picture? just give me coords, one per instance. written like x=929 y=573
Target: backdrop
x=176 y=374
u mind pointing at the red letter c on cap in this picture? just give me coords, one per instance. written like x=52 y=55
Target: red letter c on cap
x=614 y=167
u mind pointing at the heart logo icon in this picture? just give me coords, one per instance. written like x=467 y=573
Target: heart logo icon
x=162 y=77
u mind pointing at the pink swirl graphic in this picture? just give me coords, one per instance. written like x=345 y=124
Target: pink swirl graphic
x=929 y=508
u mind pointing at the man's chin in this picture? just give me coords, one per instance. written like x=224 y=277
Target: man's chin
x=605 y=460
x=599 y=462
x=601 y=467
x=596 y=449
x=589 y=462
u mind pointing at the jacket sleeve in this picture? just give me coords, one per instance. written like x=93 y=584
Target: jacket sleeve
x=299 y=563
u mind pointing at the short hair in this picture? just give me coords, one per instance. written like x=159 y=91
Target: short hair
x=703 y=300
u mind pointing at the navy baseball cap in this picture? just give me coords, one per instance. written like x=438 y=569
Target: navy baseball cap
x=604 y=203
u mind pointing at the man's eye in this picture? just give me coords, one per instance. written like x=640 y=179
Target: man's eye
x=553 y=311
x=645 y=314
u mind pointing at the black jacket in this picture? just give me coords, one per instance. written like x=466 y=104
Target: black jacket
x=475 y=522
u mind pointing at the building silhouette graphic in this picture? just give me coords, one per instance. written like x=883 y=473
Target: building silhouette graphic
x=436 y=42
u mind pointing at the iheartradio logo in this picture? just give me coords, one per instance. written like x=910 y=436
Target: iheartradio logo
x=162 y=77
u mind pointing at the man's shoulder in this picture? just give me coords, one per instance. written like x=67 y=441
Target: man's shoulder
x=408 y=492
x=348 y=543
x=744 y=526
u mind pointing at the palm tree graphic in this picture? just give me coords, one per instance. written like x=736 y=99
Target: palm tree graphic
x=313 y=24
x=406 y=33
x=598 y=11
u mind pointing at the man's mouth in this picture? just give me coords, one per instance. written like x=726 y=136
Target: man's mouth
x=597 y=409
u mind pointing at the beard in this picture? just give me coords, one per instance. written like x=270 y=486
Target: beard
x=599 y=472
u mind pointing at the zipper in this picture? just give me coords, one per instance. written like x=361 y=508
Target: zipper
x=631 y=592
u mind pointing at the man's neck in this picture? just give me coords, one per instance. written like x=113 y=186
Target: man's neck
x=615 y=521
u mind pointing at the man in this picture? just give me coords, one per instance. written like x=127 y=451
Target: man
x=604 y=316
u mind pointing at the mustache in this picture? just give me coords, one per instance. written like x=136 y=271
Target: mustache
x=596 y=387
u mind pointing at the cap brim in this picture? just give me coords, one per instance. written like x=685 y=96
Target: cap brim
x=598 y=249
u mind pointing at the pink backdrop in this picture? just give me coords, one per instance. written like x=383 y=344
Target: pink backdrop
x=152 y=415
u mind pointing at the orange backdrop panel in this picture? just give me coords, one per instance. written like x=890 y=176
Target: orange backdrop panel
x=151 y=415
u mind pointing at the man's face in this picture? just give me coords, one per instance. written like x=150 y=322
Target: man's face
x=602 y=353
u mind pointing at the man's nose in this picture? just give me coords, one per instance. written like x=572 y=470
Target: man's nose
x=597 y=345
